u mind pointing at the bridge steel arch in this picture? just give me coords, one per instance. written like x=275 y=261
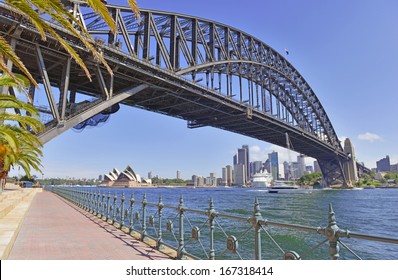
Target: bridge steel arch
x=198 y=70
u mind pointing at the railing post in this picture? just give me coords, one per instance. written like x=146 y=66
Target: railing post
x=108 y=205
x=91 y=201
x=122 y=211
x=212 y=215
x=160 y=212
x=131 y=219
x=103 y=205
x=98 y=204
x=181 y=250
x=331 y=233
x=112 y=221
x=257 y=230
x=144 y=202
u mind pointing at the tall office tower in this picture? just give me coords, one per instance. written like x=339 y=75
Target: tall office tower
x=287 y=171
x=229 y=175
x=274 y=165
x=294 y=169
x=235 y=161
x=247 y=162
x=301 y=165
x=256 y=167
x=224 y=176
x=178 y=174
x=267 y=166
x=242 y=159
x=240 y=174
x=394 y=167
x=383 y=165
x=150 y=175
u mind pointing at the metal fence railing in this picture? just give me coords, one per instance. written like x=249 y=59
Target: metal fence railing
x=208 y=234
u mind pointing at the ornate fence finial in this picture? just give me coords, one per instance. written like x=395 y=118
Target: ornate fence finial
x=331 y=216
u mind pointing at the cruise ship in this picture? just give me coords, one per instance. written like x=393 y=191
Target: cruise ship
x=262 y=180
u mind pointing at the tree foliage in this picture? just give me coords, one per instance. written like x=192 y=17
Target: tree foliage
x=310 y=179
x=18 y=143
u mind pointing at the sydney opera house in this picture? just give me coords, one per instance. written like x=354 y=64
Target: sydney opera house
x=126 y=179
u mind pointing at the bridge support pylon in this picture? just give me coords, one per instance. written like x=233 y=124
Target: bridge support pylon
x=340 y=172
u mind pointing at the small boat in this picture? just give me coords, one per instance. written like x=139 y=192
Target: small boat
x=285 y=188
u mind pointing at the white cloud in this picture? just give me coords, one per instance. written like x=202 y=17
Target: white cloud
x=368 y=136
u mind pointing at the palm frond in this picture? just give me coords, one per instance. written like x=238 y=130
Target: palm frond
x=7 y=52
x=103 y=12
x=134 y=7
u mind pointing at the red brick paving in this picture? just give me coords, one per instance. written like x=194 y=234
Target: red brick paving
x=54 y=229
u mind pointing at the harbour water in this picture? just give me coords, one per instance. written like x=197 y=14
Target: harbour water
x=370 y=212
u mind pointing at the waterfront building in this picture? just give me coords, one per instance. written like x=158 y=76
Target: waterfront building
x=300 y=165
x=247 y=162
x=126 y=179
x=267 y=166
x=286 y=170
x=394 y=167
x=235 y=159
x=256 y=167
x=195 y=180
x=383 y=165
x=229 y=175
x=224 y=176
x=294 y=169
x=240 y=175
x=274 y=164
x=242 y=159
x=309 y=169
x=110 y=178
x=200 y=181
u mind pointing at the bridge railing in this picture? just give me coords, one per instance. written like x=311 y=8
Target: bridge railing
x=197 y=234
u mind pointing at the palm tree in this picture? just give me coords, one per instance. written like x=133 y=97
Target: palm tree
x=18 y=144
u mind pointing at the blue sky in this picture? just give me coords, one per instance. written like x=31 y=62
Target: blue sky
x=346 y=50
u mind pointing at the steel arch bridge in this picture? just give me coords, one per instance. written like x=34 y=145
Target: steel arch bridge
x=198 y=70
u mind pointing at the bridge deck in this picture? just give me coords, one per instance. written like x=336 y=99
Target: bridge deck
x=55 y=229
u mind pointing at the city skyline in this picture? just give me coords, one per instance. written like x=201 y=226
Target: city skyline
x=345 y=51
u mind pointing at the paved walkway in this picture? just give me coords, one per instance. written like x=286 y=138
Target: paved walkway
x=55 y=229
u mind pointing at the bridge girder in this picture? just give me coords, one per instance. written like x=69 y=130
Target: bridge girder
x=224 y=77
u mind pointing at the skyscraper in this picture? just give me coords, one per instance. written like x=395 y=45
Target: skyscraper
x=247 y=162
x=224 y=176
x=274 y=164
x=229 y=175
x=240 y=174
x=301 y=165
x=384 y=165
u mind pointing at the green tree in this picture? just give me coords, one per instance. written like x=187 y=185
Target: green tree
x=310 y=179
